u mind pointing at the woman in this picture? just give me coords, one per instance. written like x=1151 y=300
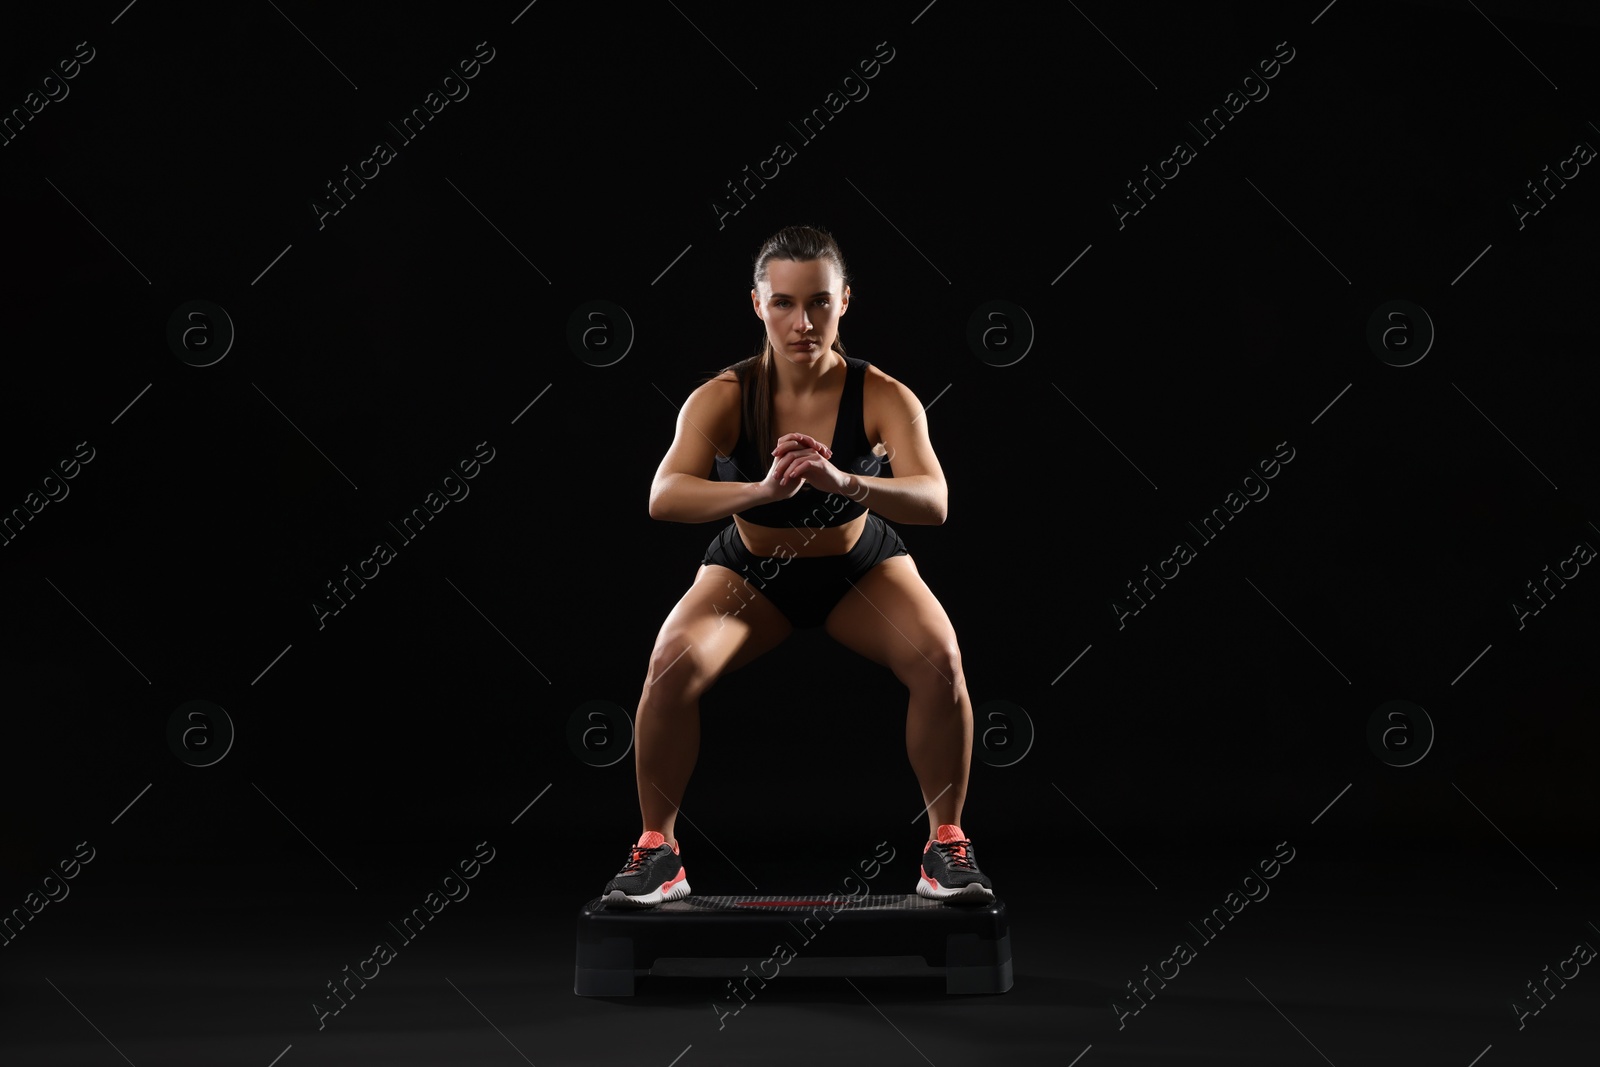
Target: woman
x=806 y=547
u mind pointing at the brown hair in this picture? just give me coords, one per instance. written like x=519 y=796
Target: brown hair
x=758 y=374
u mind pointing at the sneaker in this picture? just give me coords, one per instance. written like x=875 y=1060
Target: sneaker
x=653 y=874
x=950 y=870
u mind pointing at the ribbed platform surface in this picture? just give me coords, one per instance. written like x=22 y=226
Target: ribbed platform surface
x=801 y=902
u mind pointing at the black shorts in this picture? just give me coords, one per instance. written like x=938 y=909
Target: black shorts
x=806 y=588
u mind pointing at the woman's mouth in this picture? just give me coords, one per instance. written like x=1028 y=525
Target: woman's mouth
x=805 y=345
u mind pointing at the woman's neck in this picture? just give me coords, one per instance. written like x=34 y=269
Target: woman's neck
x=803 y=382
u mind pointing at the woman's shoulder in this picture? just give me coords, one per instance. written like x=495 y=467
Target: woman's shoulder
x=715 y=385
x=876 y=380
x=715 y=404
x=734 y=372
x=884 y=396
x=723 y=392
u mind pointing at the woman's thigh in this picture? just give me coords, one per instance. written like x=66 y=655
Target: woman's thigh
x=717 y=626
x=891 y=617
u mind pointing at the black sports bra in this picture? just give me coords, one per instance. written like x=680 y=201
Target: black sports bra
x=851 y=454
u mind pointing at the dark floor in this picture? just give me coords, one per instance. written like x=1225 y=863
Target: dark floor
x=1354 y=956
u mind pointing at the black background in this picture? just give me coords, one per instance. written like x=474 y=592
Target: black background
x=375 y=351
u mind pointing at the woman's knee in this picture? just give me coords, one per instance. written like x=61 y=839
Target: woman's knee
x=678 y=667
x=930 y=662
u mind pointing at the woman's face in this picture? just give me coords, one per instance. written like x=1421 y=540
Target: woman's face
x=801 y=302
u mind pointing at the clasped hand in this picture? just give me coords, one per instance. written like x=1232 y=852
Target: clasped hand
x=800 y=458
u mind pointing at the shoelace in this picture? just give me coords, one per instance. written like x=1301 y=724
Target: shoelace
x=959 y=860
x=637 y=859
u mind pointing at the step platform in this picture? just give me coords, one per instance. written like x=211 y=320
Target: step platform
x=759 y=938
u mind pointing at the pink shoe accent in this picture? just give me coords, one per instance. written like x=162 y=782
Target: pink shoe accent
x=653 y=839
x=949 y=832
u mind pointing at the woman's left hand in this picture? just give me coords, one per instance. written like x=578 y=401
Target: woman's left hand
x=810 y=466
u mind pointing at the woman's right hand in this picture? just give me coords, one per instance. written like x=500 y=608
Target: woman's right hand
x=791 y=448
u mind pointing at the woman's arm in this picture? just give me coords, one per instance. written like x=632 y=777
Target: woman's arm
x=914 y=500
x=680 y=491
x=680 y=497
x=917 y=493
